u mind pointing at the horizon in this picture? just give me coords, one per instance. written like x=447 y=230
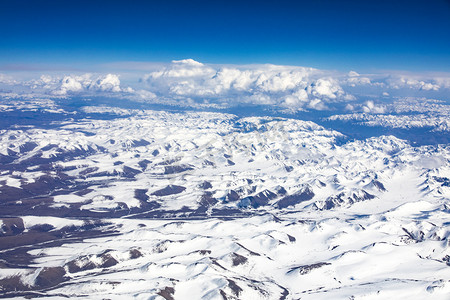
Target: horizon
x=150 y=65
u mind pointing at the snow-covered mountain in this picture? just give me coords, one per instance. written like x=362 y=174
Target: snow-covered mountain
x=138 y=203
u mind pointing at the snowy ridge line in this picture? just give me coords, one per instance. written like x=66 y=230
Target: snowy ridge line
x=202 y=163
x=437 y=123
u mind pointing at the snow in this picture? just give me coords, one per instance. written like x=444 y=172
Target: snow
x=338 y=244
x=58 y=223
x=237 y=150
x=364 y=259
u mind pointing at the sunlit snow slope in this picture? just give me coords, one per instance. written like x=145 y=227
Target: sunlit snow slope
x=199 y=205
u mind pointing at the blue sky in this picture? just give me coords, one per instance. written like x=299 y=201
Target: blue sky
x=343 y=35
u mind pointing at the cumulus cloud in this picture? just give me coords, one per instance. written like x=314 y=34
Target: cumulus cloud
x=317 y=104
x=72 y=84
x=284 y=86
x=182 y=69
x=350 y=107
x=419 y=84
x=355 y=79
x=328 y=88
x=442 y=81
x=353 y=74
x=191 y=83
x=110 y=82
x=146 y=95
x=6 y=79
x=370 y=107
x=398 y=82
x=63 y=85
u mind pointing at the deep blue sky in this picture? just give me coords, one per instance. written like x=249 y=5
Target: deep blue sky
x=361 y=35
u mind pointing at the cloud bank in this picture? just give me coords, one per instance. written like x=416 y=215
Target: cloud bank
x=191 y=83
x=288 y=87
x=76 y=84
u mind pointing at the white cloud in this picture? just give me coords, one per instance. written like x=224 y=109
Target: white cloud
x=110 y=82
x=350 y=107
x=326 y=87
x=84 y=83
x=443 y=81
x=355 y=79
x=183 y=68
x=146 y=95
x=419 y=84
x=70 y=84
x=370 y=107
x=398 y=82
x=192 y=83
x=6 y=79
x=317 y=104
x=291 y=87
